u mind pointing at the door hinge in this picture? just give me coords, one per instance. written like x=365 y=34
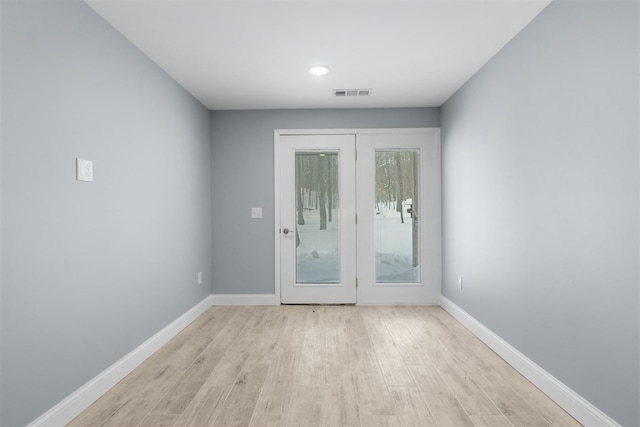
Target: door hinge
x=356 y=282
x=356 y=218
x=356 y=154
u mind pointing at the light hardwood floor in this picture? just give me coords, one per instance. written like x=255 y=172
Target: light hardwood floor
x=324 y=366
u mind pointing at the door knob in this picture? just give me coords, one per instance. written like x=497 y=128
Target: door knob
x=286 y=231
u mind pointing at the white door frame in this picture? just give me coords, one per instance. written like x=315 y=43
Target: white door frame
x=354 y=131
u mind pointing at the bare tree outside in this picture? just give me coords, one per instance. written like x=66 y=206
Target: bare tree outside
x=321 y=167
x=330 y=188
x=316 y=186
x=299 y=193
x=415 y=236
x=396 y=174
x=399 y=186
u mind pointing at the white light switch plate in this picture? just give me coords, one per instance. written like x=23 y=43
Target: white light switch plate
x=84 y=170
x=256 y=212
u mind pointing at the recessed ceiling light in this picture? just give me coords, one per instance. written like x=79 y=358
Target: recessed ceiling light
x=319 y=70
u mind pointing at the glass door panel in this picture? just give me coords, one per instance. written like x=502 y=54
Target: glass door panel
x=317 y=217
x=396 y=225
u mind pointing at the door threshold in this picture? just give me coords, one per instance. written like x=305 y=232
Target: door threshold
x=318 y=304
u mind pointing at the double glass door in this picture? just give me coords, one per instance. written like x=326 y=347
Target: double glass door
x=359 y=217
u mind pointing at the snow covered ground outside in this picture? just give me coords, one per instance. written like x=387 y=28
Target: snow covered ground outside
x=394 y=248
x=318 y=258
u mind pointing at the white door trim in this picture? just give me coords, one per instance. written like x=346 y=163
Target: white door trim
x=277 y=133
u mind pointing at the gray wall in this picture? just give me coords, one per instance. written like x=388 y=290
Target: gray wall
x=243 y=256
x=540 y=198
x=92 y=270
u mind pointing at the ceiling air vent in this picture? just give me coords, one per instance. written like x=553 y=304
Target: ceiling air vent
x=352 y=92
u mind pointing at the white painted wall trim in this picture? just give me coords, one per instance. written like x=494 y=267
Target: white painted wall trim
x=569 y=400
x=276 y=209
x=245 y=299
x=82 y=398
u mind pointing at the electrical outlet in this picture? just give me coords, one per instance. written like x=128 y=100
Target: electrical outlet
x=256 y=213
x=460 y=282
x=200 y=278
x=84 y=170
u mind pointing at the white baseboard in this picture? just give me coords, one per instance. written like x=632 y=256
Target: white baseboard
x=244 y=299
x=82 y=398
x=569 y=400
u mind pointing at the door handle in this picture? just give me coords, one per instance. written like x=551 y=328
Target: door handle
x=286 y=231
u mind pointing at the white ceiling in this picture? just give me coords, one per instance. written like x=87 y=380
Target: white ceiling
x=255 y=54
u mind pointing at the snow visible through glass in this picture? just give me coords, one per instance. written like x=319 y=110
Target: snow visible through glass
x=396 y=223
x=317 y=218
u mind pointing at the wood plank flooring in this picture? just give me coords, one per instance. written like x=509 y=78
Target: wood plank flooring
x=324 y=366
